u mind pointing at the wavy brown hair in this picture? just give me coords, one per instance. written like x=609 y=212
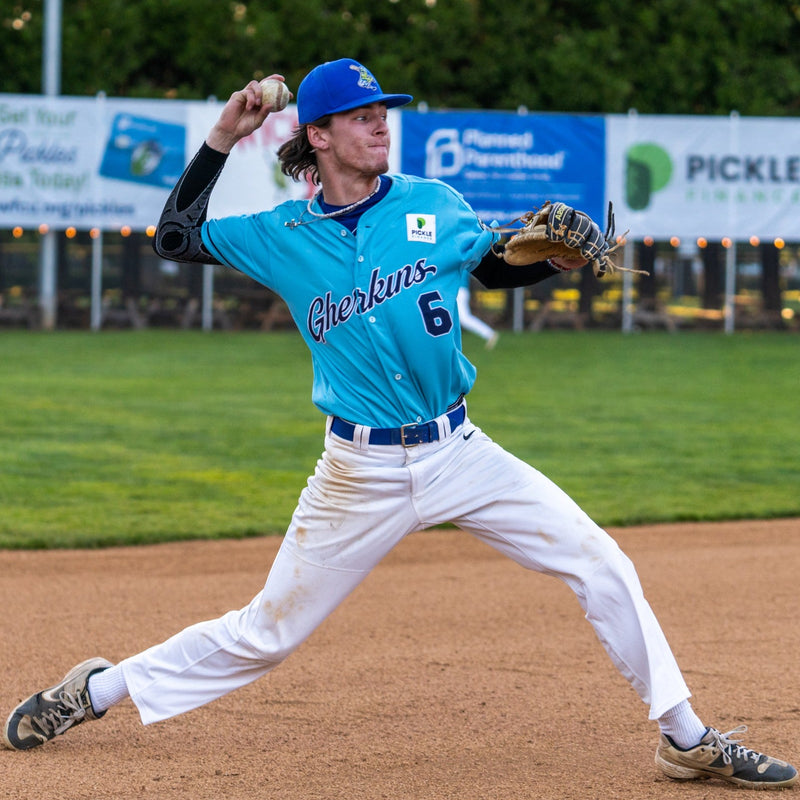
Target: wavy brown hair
x=297 y=157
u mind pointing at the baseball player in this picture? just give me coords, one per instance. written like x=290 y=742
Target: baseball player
x=370 y=268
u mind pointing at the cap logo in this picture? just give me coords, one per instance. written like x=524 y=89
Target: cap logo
x=366 y=80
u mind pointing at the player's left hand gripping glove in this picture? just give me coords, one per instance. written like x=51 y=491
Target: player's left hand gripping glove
x=572 y=238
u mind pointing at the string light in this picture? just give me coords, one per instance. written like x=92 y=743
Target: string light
x=648 y=241
x=17 y=231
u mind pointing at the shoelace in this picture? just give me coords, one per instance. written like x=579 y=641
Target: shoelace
x=731 y=748
x=61 y=716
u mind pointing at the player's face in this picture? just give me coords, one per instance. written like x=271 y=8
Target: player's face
x=359 y=140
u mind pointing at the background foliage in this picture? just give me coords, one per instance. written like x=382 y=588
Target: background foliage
x=660 y=57
x=121 y=437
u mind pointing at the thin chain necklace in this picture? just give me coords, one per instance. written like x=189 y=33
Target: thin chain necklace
x=339 y=211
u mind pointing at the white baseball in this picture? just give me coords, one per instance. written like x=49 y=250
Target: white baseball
x=274 y=93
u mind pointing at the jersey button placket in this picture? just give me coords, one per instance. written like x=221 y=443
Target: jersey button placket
x=360 y=262
x=359 y=275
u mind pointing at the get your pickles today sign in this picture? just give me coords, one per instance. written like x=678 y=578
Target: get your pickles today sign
x=704 y=176
x=98 y=162
x=87 y=161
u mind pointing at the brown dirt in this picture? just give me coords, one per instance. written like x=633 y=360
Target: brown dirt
x=450 y=673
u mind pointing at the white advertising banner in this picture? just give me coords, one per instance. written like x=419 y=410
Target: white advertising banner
x=711 y=177
x=87 y=162
x=252 y=179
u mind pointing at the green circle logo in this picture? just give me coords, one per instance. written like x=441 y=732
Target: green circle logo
x=648 y=169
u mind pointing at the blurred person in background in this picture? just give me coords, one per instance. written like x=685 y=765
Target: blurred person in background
x=469 y=321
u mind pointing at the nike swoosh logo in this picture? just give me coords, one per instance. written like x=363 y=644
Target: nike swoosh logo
x=467 y=435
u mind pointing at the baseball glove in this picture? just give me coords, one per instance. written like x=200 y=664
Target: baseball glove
x=557 y=231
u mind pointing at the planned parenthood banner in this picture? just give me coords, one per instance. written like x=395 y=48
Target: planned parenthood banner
x=507 y=163
x=705 y=176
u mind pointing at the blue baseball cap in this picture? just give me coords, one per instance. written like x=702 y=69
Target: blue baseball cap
x=341 y=85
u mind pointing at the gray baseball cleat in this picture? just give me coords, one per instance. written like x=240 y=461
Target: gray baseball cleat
x=51 y=712
x=719 y=756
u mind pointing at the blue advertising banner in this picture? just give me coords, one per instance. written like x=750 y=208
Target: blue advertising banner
x=506 y=163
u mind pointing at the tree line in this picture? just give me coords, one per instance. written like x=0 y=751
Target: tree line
x=600 y=56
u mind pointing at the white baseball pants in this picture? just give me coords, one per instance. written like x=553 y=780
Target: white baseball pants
x=360 y=502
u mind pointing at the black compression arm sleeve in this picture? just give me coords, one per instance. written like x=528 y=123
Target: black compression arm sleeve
x=494 y=273
x=178 y=231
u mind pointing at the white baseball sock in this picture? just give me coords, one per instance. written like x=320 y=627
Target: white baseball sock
x=107 y=688
x=682 y=725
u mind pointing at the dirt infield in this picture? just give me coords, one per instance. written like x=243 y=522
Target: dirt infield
x=450 y=673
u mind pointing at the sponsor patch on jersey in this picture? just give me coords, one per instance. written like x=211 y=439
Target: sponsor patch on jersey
x=421 y=228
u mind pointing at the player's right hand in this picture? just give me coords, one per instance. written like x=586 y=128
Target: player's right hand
x=241 y=115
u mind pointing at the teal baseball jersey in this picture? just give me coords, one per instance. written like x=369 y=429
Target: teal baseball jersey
x=377 y=306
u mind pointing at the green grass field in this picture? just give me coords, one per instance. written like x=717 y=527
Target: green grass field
x=128 y=437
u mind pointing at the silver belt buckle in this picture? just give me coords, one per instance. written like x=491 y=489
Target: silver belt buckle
x=403 y=435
